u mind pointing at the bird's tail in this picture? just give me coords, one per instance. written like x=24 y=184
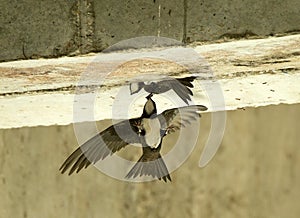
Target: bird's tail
x=154 y=167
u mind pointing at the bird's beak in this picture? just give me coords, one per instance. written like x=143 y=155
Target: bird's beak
x=149 y=96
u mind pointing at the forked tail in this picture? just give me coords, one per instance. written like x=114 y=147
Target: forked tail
x=150 y=164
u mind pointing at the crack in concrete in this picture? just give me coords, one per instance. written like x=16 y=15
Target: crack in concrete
x=185 y=7
x=290 y=70
x=86 y=18
x=36 y=91
x=81 y=89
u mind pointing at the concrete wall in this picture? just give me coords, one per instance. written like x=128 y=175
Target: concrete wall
x=31 y=29
x=254 y=174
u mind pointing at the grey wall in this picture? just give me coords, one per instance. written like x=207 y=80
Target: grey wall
x=254 y=174
x=32 y=29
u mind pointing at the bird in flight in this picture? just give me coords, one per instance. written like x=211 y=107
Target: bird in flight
x=181 y=86
x=148 y=130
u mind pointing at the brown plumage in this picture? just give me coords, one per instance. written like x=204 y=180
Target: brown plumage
x=131 y=131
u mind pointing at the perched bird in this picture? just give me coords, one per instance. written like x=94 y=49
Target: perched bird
x=181 y=87
x=146 y=130
x=150 y=163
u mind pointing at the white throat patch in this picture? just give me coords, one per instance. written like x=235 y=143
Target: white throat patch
x=152 y=129
x=149 y=107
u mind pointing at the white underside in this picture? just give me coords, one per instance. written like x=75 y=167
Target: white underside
x=152 y=127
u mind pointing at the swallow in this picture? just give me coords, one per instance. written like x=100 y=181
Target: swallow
x=107 y=142
x=181 y=86
x=150 y=163
x=143 y=130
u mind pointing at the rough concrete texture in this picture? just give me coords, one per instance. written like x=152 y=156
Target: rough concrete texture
x=254 y=174
x=31 y=29
x=116 y=21
x=209 y=20
x=242 y=68
x=48 y=29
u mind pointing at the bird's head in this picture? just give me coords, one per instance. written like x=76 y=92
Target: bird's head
x=149 y=107
x=136 y=87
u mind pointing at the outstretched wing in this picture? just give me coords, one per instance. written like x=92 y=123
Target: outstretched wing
x=180 y=86
x=182 y=91
x=174 y=119
x=187 y=81
x=101 y=145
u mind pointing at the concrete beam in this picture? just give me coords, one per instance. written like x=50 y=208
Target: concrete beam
x=251 y=73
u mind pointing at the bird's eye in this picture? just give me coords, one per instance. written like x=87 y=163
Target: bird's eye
x=142 y=132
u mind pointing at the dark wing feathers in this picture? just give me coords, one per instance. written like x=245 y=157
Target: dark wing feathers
x=187 y=81
x=123 y=133
x=173 y=119
x=180 y=86
x=68 y=162
x=151 y=162
x=101 y=145
x=182 y=91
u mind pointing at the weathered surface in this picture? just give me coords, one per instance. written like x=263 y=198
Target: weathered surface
x=209 y=20
x=253 y=57
x=53 y=29
x=244 y=68
x=31 y=29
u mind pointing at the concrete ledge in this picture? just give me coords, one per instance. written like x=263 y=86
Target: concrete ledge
x=251 y=73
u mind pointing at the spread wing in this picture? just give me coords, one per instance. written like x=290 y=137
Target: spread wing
x=180 y=86
x=101 y=145
x=181 y=90
x=174 y=119
x=187 y=81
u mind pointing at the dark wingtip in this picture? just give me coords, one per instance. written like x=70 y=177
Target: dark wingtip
x=202 y=107
x=187 y=81
x=166 y=178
